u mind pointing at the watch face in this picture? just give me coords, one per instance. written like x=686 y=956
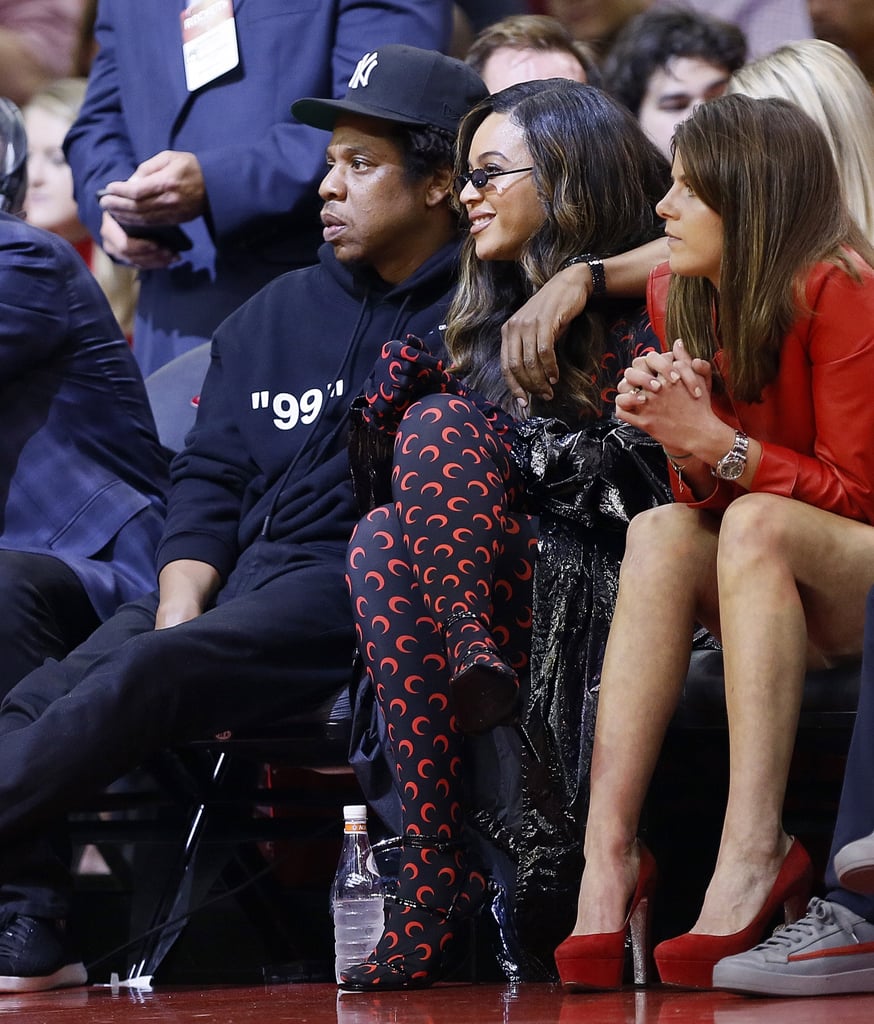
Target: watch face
x=731 y=467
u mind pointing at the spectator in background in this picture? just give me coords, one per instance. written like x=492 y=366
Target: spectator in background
x=527 y=47
x=82 y=476
x=823 y=80
x=665 y=62
x=49 y=201
x=37 y=40
x=596 y=23
x=849 y=24
x=766 y=24
x=213 y=147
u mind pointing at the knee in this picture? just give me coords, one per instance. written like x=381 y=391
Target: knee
x=374 y=540
x=20 y=597
x=660 y=537
x=754 y=526
x=428 y=419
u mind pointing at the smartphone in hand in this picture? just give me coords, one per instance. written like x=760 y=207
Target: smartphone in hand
x=168 y=236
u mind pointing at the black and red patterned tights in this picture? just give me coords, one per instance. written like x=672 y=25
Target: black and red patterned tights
x=448 y=544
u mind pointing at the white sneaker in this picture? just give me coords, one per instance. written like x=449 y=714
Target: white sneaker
x=829 y=951
x=854 y=865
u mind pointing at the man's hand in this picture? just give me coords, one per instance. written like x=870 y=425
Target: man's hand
x=185 y=588
x=136 y=252
x=168 y=188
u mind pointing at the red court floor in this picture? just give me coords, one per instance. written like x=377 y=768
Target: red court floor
x=443 y=1004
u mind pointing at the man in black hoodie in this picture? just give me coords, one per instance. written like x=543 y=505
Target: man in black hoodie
x=251 y=618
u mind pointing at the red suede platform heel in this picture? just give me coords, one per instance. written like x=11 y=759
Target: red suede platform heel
x=688 y=960
x=588 y=962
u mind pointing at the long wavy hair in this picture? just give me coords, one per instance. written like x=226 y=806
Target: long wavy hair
x=766 y=168
x=598 y=178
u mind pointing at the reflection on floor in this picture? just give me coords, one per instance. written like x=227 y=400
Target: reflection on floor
x=443 y=1004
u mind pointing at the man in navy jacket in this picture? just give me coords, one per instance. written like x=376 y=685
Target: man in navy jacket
x=211 y=144
x=83 y=478
x=251 y=619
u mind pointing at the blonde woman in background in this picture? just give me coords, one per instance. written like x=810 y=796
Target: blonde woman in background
x=828 y=85
x=49 y=202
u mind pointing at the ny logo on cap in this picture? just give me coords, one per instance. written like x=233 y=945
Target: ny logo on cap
x=361 y=75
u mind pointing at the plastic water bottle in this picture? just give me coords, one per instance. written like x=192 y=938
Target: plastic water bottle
x=356 y=895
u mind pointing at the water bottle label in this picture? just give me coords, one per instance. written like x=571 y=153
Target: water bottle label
x=355 y=826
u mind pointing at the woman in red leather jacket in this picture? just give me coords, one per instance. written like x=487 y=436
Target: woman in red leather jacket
x=762 y=402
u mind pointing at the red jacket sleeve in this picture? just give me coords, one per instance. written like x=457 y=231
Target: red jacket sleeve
x=815 y=421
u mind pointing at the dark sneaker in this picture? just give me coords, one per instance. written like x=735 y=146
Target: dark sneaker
x=854 y=865
x=828 y=952
x=34 y=956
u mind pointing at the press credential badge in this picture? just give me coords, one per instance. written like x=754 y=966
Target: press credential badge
x=209 y=41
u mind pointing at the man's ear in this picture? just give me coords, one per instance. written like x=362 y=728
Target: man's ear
x=439 y=186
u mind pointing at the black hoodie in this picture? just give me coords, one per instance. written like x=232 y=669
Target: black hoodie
x=267 y=455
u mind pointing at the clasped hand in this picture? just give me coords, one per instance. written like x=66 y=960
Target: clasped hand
x=667 y=394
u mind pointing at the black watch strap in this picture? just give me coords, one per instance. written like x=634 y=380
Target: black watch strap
x=596 y=267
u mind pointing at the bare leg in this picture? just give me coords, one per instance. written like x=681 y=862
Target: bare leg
x=668 y=579
x=793 y=582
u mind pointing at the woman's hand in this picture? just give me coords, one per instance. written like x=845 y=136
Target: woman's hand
x=404 y=372
x=529 y=337
x=667 y=394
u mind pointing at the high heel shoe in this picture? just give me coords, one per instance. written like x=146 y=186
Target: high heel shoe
x=416 y=946
x=598 y=961
x=485 y=689
x=689 y=959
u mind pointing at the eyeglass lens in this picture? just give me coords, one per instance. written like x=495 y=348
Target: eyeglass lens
x=478 y=178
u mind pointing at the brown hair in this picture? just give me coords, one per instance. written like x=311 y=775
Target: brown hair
x=531 y=32
x=766 y=168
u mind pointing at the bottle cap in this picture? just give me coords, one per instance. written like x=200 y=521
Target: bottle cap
x=355 y=812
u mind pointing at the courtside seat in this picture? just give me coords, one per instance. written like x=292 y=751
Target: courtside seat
x=204 y=808
x=829 y=702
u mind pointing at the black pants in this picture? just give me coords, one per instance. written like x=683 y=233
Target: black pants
x=44 y=613
x=856 y=809
x=279 y=640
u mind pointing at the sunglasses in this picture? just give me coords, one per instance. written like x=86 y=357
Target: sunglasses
x=480 y=178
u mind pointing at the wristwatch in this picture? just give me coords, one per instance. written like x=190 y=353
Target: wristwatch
x=596 y=268
x=734 y=462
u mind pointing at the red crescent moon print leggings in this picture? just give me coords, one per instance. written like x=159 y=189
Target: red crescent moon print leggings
x=448 y=543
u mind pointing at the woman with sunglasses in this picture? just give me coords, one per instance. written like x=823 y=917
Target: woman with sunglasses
x=441 y=575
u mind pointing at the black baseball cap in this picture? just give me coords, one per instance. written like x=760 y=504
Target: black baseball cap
x=403 y=84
